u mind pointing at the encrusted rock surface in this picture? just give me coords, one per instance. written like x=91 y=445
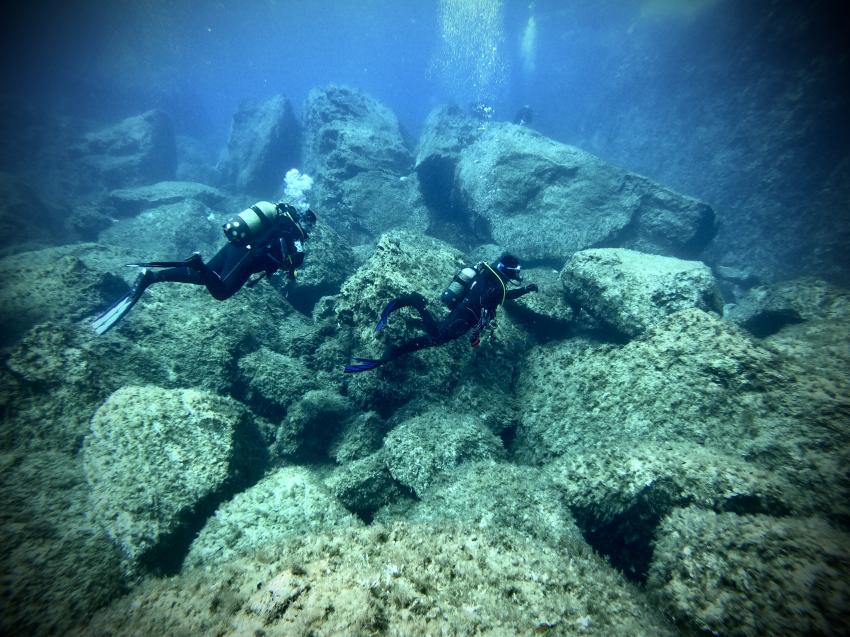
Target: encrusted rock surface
x=265 y=142
x=629 y=291
x=545 y=200
x=354 y=149
x=289 y=502
x=749 y=575
x=158 y=462
x=428 y=447
x=400 y=579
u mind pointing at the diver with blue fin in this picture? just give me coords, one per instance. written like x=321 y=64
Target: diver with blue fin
x=473 y=297
x=262 y=239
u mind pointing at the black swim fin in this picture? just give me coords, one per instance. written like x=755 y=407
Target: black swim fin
x=363 y=365
x=194 y=262
x=119 y=309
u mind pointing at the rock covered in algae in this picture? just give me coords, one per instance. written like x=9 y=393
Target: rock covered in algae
x=158 y=461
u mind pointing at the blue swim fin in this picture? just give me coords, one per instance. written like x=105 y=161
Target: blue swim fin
x=385 y=315
x=363 y=365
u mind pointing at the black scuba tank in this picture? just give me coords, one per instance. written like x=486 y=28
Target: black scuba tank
x=458 y=288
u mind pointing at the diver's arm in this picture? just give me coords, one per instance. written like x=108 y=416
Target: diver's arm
x=518 y=292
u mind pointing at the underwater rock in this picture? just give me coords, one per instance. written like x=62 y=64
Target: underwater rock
x=620 y=494
x=270 y=381
x=396 y=268
x=365 y=485
x=487 y=495
x=694 y=378
x=446 y=132
x=480 y=376
x=766 y=309
x=724 y=574
x=545 y=200
x=158 y=461
x=360 y=437
x=546 y=313
x=328 y=263
x=49 y=387
x=423 y=449
x=291 y=501
x=25 y=218
x=128 y=202
x=165 y=334
x=629 y=292
x=264 y=143
x=137 y=151
x=56 y=569
x=353 y=148
x=819 y=346
x=169 y=232
x=399 y=579
x=311 y=425
x=64 y=282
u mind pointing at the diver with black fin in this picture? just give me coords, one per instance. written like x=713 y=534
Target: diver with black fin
x=262 y=239
x=473 y=297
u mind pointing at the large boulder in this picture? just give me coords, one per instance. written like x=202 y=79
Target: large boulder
x=766 y=309
x=399 y=579
x=289 y=502
x=619 y=495
x=168 y=232
x=365 y=485
x=487 y=495
x=545 y=200
x=25 y=219
x=446 y=132
x=724 y=574
x=423 y=449
x=354 y=149
x=64 y=282
x=394 y=269
x=264 y=143
x=696 y=379
x=328 y=263
x=629 y=292
x=57 y=569
x=127 y=202
x=158 y=462
x=137 y=151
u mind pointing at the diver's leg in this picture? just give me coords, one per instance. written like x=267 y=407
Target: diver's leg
x=413 y=345
x=230 y=259
x=227 y=271
x=417 y=302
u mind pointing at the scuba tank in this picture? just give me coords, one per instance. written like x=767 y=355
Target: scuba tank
x=253 y=221
x=457 y=289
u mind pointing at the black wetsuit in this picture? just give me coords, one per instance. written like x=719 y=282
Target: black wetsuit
x=472 y=314
x=281 y=247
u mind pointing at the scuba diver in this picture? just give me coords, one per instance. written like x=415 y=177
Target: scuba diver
x=472 y=297
x=262 y=239
x=524 y=116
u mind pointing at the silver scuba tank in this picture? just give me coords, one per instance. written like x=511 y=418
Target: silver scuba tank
x=250 y=222
x=457 y=289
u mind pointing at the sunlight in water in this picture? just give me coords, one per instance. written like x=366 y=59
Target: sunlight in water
x=469 y=62
x=528 y=46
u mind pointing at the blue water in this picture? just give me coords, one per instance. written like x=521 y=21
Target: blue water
x=741 y=104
